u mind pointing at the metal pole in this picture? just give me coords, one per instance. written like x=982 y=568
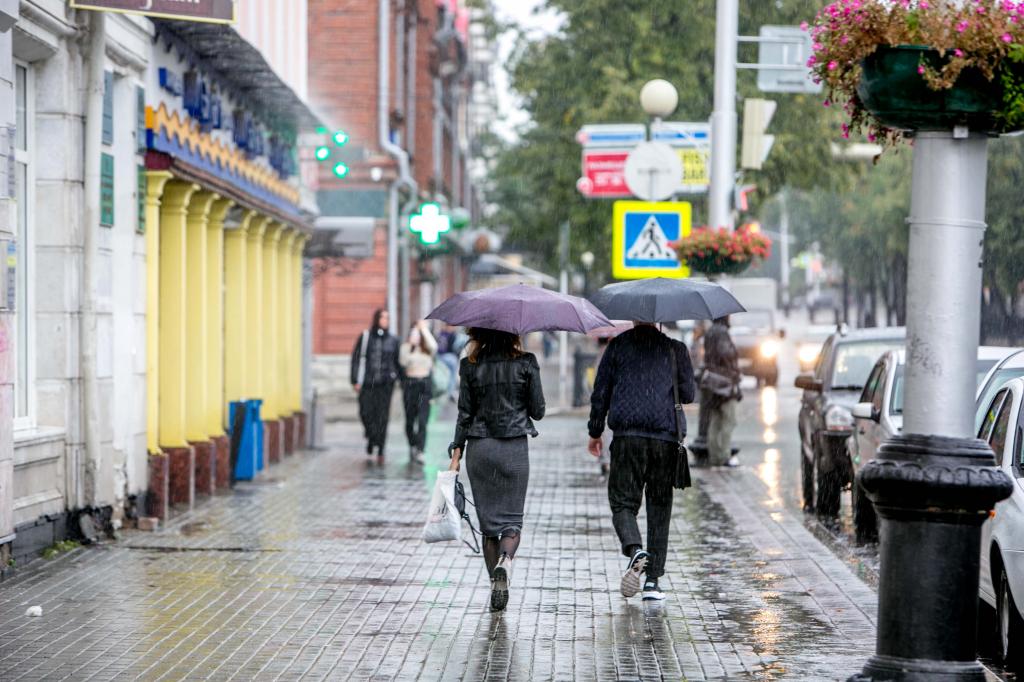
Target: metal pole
x=563 y=337
x=723 y=118
x=784 y=250
x=392 y=255
x=404 y=285
x=934 y=485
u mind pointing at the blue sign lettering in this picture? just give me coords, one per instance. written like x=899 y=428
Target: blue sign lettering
x=170 y=81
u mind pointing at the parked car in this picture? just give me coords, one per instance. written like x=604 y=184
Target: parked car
x=756 y=337
x=1002 y=536
x=826 y=300
x=1010 y=367
x=878 y=416
x=808 y=348
x=826 y=420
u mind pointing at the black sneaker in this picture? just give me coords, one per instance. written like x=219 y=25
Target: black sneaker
x=499 y=583
x=369 y=448
x=630 y=583
x=652 y=592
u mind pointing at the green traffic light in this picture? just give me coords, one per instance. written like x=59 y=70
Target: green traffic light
x=340 y=138
x=323 y=153
x=340 y=170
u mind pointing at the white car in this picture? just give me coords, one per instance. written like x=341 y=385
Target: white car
x=879 y=416
x=1002 y=536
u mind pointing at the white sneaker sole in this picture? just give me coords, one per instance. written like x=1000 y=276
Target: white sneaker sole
x=631 y=583
x=654 y=596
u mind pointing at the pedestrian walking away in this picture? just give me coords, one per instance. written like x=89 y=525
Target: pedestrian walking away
x=500 y=396
x=450 y=343
x=373 y=375
x=720 y=392
x=641 y=374
x=416 y=357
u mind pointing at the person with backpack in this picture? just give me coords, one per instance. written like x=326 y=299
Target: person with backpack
x=373 y=375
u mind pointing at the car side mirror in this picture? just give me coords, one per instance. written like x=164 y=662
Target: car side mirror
x=807 y=383
x=865 y=411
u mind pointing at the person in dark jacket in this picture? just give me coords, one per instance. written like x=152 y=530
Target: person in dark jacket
x=500 y=396
x=373 y=375
x=634 y=392
x=720 y=391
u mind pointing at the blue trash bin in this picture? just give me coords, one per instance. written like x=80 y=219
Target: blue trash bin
x=256 y=432
x=239 y=415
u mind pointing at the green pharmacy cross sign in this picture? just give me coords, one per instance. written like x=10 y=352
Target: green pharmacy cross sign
x=430 y=223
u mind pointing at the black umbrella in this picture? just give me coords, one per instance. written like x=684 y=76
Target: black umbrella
x=665 y=300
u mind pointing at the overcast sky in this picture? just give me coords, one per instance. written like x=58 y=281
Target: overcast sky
x=537 y=25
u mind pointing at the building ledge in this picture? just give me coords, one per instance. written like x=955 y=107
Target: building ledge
x=38 y=435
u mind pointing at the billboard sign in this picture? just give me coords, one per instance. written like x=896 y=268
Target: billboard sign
x=212 y=11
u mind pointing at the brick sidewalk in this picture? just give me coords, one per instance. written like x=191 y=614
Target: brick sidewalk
x=317 y=572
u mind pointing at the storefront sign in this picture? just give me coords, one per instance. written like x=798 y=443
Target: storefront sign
x=213 y=11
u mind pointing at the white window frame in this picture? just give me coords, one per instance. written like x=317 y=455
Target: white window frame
x=26 y=265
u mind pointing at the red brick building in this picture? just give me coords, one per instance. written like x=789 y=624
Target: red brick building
x=429 y=116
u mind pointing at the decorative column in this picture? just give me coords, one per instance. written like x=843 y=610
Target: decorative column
x=284 y=335
x=236 y=340
x=254 y=320
x=155 y=183
x=197 y=372
x=296 y=334
x=271 y=336
x=171 y=480
x=215 y=403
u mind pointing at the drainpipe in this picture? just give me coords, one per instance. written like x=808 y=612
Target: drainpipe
x=444 y=34
x=90 y=251
x=410 y=81
x=401 y=157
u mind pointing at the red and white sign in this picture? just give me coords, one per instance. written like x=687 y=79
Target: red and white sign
x=604 y=174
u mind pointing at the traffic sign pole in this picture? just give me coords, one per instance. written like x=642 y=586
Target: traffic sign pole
x=723 y=118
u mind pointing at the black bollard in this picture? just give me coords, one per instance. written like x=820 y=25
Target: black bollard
x=932 y=495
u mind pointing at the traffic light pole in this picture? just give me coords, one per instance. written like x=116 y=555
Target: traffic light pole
x=723 y=118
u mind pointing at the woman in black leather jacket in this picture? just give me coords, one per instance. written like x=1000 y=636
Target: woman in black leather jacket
x=373 y=375
x=500 y=396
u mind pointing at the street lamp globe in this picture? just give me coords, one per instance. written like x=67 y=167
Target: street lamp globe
x=587 y=259
x=659 y=98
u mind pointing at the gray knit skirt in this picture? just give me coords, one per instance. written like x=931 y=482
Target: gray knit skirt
x=499 y=469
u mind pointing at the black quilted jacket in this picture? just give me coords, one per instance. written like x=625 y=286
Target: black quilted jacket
x=633 y=389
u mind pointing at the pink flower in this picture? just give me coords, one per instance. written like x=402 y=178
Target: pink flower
x=1007 y=38
x=958 y=52
x=962 y=26
x=920 y=70
x=844 y=39
x=803 y=25
x=832 y=66
x=826 y=103
x=923 y=4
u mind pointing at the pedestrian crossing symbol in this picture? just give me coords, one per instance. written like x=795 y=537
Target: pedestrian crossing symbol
x=642 y=236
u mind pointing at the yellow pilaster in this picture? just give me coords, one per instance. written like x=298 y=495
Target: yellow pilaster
x=155 y=183
x=236 y=341
x=287 y=321
x=271 y=322
x=296 y=331
x=197 y=287
x=216 y=406
x=173 y=329
x=254 y=305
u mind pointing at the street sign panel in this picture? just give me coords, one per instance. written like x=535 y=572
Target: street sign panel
x=641 y=236
x=692 y=142
x=604 y=174
x=788 y=46
x=653 y=171
x=611 y=135
x=211 y=11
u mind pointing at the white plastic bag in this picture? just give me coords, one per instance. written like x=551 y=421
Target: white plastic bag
x=443 y=520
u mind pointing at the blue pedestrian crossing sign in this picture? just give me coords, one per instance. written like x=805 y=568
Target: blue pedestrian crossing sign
x=642 y=232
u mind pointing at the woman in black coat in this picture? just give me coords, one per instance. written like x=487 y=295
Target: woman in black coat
x=373 y=375
x=499 y=397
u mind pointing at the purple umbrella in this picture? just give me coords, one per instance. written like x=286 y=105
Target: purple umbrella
x=520 y=309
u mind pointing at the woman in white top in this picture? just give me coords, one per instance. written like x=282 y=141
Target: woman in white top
x=416 y=356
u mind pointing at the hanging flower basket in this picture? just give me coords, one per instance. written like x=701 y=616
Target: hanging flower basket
x=722 y=252
x=898 y=66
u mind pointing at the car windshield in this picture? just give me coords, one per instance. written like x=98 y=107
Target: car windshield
x=752 y=319
x=999 y=379
x=854 y=361
x=896 y=399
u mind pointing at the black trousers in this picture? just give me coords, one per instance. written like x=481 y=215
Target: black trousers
x=643 y=467
x=416 y=398
x=375 y=410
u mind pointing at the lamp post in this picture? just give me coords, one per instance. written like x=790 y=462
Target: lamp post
x=587 y=261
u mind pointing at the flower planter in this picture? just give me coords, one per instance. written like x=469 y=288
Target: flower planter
x=894 y=91
x=717 y=266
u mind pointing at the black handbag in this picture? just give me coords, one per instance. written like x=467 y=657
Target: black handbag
x=682 y=477
x=460 y=506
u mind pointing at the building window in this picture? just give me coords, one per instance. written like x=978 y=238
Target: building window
x=21 y=249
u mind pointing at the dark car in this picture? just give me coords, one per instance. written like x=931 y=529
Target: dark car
x=826 y=418
x=756 y=338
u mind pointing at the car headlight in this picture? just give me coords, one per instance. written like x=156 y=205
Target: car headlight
x=838 y=419
x=808 y=353
x=769 y=348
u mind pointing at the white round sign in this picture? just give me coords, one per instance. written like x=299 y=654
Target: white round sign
x=654 y=171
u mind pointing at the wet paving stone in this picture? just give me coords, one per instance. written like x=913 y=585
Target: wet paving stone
x=317 y=572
